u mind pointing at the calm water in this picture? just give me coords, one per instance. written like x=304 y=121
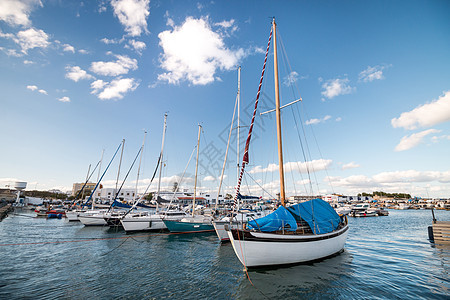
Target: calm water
x=384 y=257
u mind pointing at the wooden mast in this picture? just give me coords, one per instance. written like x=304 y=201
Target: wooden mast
x=278 y=113
x=196 y=169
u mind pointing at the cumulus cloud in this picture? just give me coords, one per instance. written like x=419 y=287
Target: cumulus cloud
x=350 y=165
x=372 y=73
x=430 y=114
x=17 y=12
x=302 y=167
x=35 y=88
x=317 y=121
x=336 y=87
x=114 y=89
x=209 y=178
x=138 y=46
x=291 y=78
x=32 y=38
x=75 y=73
x=408 y=142
x=121 y=66
x=109 y=41
x=28 y=62
x=132 y=14
x=64 y=99
x=68 y=48
x=436 y=139
x=194 y=52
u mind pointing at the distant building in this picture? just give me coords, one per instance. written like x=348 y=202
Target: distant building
x=106 y=195
x=341 y=198
x=87 y=189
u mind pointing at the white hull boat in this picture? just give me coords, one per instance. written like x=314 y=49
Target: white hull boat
x=92 y=218
x=149 y=222
x=255 y=249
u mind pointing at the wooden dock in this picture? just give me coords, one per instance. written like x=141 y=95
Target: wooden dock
x=441 y=232
x=4 y=210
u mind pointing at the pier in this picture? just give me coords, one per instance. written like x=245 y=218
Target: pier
x=5 y=208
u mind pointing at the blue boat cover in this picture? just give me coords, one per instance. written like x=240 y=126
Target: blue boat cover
x=275 y=221
x=319 y=214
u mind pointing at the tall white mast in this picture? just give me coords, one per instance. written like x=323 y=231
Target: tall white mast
x=229 y=137
x=120 y=163
x=98 y=178
x=139 y=168
x=196 y=169
x=161 y=161
x=278 y=114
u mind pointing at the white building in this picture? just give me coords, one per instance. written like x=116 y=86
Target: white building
x=106 y=195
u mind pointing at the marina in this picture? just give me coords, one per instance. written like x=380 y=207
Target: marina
x=390 y=257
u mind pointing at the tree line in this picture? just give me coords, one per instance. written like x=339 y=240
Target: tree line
x=387 y=195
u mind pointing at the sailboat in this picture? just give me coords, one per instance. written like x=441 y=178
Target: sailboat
x=304 y=232
x=194 y=222
x=146 y=220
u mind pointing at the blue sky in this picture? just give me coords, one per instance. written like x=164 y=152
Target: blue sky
x=78 y=77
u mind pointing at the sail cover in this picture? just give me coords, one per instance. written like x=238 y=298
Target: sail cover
x=275 y=221
x=319 y=214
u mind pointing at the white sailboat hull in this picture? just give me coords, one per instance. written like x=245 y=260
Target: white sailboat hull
x=72 y=215
x=92 y=219
x=265 y=249
x=144 y=223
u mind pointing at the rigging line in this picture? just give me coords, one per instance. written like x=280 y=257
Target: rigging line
x=90 y=197
x=268 y=193
x=148 y=186
x=126 y=176
x=245 y=159
x=321 y=156
x=289 y=68
x=181 y=179
x=226 y=152
x=87 y=180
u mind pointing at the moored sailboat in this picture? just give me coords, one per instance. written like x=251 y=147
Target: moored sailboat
x=304 y=232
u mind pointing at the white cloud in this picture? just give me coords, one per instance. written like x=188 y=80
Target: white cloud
x=194 y=52
x=68 y=48
x=17 y=12
x=209 y=178
x=32 y=87
x=302 y=167
x=114 y=89
x=43 y=92
x=338 y=119
x=28 y=62
x=76 y=73
x=83 y=51
x=64 y=99
x=290 y=79
x=317 y=121
x=32 y=38
x=410 y=176
x=109 y=41
x=372 y=73
x=113 y=68
x=138 y=46
x=408 y=142
x=436 y=139
x=350 y=165
x=430 y=114
x=336 y=87
x=132 y=14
